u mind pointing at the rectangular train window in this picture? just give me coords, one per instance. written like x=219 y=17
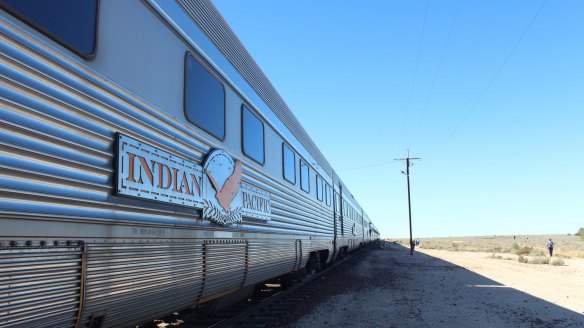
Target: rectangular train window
x=288 y=164
x=72 y=23
x=304 y=178
x=327 y=194
x=253 y=135
x=204 y=98
x=319 y=188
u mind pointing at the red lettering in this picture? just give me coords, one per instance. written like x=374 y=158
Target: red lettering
x=175 y=175
x=162 y=169
x=147 y=169
x=185 y=183
x=247 y=201
x=195 y=184
x=131 y=167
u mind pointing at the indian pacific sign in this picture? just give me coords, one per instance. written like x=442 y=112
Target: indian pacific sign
x=146 y=172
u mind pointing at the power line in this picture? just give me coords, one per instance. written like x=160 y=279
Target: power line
x=437 y=70
x=415 y=70
x=365 y=167
x=481 y=95
x=462 y=70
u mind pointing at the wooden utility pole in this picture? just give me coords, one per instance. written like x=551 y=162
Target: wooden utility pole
x=407 y=173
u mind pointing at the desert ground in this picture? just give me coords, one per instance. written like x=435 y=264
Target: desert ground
x=440 y=288
x=562 y=285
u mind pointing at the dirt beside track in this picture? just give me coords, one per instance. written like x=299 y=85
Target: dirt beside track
x=387 y=287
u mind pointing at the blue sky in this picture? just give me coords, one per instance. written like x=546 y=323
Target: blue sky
x=490 y=94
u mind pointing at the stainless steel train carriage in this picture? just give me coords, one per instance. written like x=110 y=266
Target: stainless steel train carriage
x=148 y=165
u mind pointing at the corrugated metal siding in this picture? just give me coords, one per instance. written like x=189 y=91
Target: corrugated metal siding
x=129 y=283
x=57 y=131
x=39 y=287
x=292 y=211
x=225 y=267
x=206 y=16
x=271 y=258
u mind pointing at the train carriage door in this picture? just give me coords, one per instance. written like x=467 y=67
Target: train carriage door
x=335 y=216
x=341 y=207
x=298 y=259
x=361 y=225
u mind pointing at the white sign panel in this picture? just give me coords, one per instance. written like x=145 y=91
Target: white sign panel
x=147 y=172
x=255 y=202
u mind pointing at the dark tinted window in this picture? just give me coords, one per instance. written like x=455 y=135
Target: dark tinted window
x=204 y=98
x=69 y=22
x=319 y=188
x=289 y=161
x=253 y=135
x=304 y=178
x=327 y=194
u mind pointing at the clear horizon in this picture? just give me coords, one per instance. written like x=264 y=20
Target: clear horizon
x=484 y=236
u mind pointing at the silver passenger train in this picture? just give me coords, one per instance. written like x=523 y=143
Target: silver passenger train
x=148 y=165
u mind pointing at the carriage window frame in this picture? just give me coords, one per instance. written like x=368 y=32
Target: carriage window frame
x=50 y=32
x=303 y=176
x=319 y=188
x=245 y=109
x=187 y=99
x=287 y=168
x=327 y=194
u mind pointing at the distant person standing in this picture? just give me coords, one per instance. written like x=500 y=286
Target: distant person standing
x=550 y=246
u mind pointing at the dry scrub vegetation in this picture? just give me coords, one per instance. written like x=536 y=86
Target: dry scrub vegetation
x=525 y=249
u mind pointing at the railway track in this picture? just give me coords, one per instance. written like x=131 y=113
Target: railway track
x=262 y=310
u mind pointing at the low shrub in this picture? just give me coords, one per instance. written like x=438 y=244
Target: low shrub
x=521 y=259
x=539 y=260
x=537 y=252
x=524 y=250
x=557 y=262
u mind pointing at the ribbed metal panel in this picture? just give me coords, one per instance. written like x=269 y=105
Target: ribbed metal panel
x=292 y=211
x=39 y=287
x=225 y=267
x=57 y=129
x=206 y=16
x=130 y=283
x=271 y=258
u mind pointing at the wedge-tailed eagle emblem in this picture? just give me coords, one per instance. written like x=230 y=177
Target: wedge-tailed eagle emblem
x=221 y=185
x=226 y=194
